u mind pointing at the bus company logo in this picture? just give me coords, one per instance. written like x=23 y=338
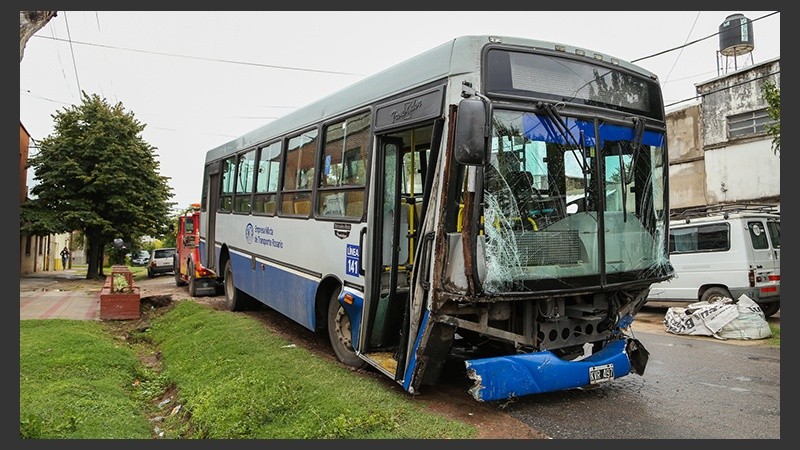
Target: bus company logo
x=249 y=233
x=341 y=230
x=406 y=112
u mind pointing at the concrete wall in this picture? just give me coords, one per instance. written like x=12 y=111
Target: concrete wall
x=708 y=168
x=742 y=172
x=735 y=93
x=687 y=178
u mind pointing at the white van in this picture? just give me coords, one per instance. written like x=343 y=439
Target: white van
x=724 y=252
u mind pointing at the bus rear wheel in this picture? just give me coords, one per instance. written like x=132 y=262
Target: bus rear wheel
x=340 y=333
x=234 y=298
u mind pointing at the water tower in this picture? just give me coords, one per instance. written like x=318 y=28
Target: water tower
x=735 y=40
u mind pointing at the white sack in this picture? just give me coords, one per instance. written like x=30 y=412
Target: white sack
x=725 y=319
x=750 y=324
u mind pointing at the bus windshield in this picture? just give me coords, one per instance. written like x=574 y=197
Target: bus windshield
x=571 y=203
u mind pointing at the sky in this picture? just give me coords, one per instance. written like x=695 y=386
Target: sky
x=198 y=79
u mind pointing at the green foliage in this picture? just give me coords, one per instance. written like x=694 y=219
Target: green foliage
x=75 y=383
x=120 y=284
x=775 y=339
x=96 y=174
x=237 y=380
x=233 y=379
x=772 y=94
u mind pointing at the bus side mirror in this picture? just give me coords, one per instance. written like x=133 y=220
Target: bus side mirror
x=471 y=136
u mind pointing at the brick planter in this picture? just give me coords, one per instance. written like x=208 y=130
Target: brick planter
x=119 y=305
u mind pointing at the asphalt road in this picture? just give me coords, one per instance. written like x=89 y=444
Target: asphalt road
x=693 y=388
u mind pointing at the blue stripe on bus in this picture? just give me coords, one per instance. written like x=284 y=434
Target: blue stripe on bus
x=510 y=376
x=540 y=128
x=288 y=293
x=412 y=358
x=354 y=313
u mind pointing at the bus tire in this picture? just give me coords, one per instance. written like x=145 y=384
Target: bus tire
x=178 y=280
x=234 y=298
x=340 y=333
x=192 y=282
x=715 y=294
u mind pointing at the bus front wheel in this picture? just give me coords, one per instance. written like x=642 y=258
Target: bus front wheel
x=340 y=333
x=234 y=298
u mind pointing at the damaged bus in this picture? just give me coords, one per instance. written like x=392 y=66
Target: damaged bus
x=496 y=202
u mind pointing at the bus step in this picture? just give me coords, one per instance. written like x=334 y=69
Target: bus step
x=384 y=360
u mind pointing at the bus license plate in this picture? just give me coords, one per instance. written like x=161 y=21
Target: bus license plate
x=601 y=374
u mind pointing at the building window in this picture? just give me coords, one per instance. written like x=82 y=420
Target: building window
x=748 y=124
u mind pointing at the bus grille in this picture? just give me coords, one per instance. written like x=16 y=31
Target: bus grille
x=544 y=248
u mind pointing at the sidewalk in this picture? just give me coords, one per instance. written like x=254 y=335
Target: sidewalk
x=61 y=294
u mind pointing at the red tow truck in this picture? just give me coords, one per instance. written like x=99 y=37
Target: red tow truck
x=187 y=263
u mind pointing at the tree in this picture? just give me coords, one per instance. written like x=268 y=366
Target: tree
x=772 y=95
x=29 y=23
x=96 y=174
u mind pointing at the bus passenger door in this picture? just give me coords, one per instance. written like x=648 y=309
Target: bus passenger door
x=209 y=224
x=397 y=202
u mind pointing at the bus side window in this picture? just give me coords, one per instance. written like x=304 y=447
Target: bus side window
x=244 y=182
x=298 y=173
x=267 y=170
x=227 y=187
x=343 y=168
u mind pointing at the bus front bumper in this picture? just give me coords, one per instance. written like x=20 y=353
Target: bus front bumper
x=504 y=377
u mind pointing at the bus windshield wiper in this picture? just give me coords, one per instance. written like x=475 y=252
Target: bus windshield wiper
x=556 y=118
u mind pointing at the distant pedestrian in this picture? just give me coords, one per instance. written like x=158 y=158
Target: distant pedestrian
x=64 y=258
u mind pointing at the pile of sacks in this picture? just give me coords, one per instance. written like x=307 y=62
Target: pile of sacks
x=725 y=319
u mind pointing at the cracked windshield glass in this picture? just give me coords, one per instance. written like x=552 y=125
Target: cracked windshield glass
x=551 y=182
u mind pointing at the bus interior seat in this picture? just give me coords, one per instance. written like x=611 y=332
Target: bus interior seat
x=302 y=207
x=354 y=209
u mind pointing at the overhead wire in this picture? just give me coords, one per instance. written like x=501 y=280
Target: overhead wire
x=72 y=42
x=200 y=58
x=72 y=50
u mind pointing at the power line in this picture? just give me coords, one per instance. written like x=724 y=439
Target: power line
x=725 y=88
x=228 y=61
x=72 y=50
x=675 y=63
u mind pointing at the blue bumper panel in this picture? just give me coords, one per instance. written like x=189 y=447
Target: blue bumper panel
x=504 y=377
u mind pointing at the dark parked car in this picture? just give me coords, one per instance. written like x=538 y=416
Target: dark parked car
x=161 y=261
x=142 y=259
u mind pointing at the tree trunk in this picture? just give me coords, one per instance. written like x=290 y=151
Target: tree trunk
x=94 y=255
x=29 y=23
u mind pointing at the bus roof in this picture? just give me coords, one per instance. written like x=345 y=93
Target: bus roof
x=457 y=56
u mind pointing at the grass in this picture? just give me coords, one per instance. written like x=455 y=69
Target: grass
x=225 y=377
x=775 y=339
x=75 y=382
